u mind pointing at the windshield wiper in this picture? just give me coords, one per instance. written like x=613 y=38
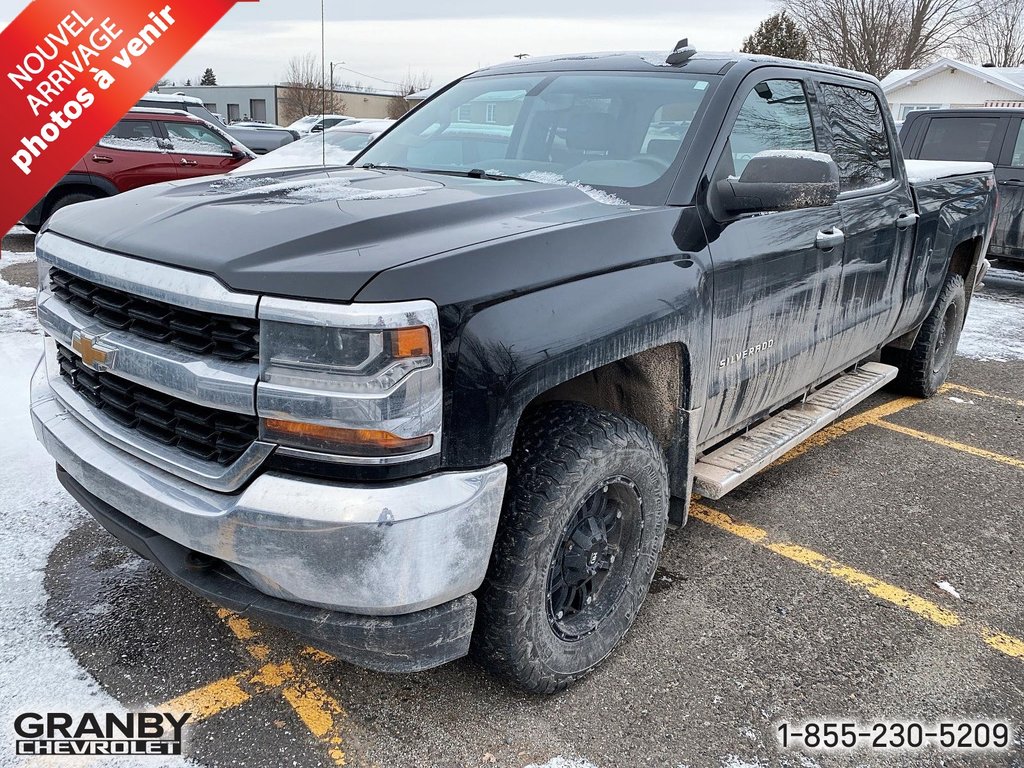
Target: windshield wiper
x=472 y=173
x=382 y=167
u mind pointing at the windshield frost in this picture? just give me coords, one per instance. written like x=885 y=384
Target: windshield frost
x=620 y=131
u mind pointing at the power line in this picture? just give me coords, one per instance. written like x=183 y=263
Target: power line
x=372 y=77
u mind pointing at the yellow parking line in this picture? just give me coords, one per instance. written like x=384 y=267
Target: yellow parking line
x=322 y=715
x=846 y=426
x=209 y=700
x=926 y=609
x=949 y=386
x=962 y=447
x=317 y=709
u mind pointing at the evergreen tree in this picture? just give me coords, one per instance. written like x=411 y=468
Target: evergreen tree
x=778 y=35
x=208 y=77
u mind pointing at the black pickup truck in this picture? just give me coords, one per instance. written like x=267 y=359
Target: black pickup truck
x=449 y=400
x=978 y=135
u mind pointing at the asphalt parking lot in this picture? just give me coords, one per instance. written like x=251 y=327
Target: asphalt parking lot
x=810 y=593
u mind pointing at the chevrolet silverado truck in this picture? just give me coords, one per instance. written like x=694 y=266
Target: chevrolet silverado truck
x=447 y=399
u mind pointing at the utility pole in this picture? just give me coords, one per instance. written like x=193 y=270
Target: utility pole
x=333 y=65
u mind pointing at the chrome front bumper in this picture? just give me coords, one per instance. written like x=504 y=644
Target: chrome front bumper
x=382 y=549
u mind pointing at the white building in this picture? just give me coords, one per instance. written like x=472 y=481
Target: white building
x=266 y=102
x=949 y=83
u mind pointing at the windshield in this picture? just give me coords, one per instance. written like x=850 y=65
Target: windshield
x=341 y=146
x=619 y=131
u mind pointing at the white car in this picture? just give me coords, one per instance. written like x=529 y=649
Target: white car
x=317 y=123
x=335 y=146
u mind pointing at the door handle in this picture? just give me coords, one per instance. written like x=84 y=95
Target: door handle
x=827 y=239
x=102 y=159
x=906 y=220
x=185 y=161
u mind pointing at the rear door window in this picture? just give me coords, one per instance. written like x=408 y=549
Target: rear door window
x=133 y=135
x=959 y=138
x=860 y=140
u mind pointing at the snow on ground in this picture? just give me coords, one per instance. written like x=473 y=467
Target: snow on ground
x=994 y=329
x=563 y=762
x=14 y=314
x=948 y=588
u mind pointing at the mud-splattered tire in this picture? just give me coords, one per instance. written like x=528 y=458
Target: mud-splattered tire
x=584 y=517
x=923 y=369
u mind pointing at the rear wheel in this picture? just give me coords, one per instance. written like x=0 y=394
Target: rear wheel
x=924 y=368
x=583 y=524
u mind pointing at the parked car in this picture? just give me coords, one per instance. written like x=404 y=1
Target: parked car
x=315 y=123
x=259 y=140
x=987 y=135
x=257 y=124
x=412 y=410
x=146 y=146
x=335 y=146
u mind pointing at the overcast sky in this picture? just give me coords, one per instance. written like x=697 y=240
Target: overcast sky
x=388 y=39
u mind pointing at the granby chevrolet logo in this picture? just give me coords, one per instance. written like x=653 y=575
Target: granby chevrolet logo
x=93 y=352
x=133 y=733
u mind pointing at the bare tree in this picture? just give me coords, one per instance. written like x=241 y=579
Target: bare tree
x=398 y=104
x=304 y=92
x=878 y=36
x=995 y=34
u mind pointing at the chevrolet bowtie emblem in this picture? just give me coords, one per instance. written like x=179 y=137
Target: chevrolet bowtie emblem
x=92 y=351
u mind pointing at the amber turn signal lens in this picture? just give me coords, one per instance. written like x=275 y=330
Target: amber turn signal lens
x=350 y=442
x=410 y=342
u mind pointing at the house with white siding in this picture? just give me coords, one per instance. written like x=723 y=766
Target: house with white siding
x=948 y=83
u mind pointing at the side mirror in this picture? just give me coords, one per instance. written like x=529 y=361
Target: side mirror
x=781 y=180
x=318 y=128
x=238 y=153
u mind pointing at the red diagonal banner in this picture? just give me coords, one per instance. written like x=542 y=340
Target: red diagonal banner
x=70 y=69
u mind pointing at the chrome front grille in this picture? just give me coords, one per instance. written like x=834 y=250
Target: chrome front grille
x=202 y=333
x=206 y=433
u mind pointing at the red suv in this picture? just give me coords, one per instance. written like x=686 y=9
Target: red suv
x=147 y=146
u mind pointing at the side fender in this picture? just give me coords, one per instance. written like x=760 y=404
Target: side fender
x=512 y=352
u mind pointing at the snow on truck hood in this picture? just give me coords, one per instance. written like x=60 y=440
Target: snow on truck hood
x=923 y=171
x=318 y=233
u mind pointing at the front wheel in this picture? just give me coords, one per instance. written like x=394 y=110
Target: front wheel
x=583 y=523
x=924 y=368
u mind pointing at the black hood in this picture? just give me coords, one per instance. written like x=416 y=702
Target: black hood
x=320 y=234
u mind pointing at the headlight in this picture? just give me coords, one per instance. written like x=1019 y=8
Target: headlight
x=361 y=382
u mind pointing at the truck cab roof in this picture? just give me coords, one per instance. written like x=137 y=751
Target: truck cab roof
x=701 y=63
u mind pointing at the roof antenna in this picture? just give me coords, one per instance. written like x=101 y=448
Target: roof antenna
x=682 y=53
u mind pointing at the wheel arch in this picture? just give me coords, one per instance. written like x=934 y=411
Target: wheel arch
x=646 y=358
x=72 y=183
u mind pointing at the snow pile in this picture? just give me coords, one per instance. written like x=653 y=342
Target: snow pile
x=14 y=314
x=923 y=171
x=994 y=329
x=961 y=401
x=546 y=177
